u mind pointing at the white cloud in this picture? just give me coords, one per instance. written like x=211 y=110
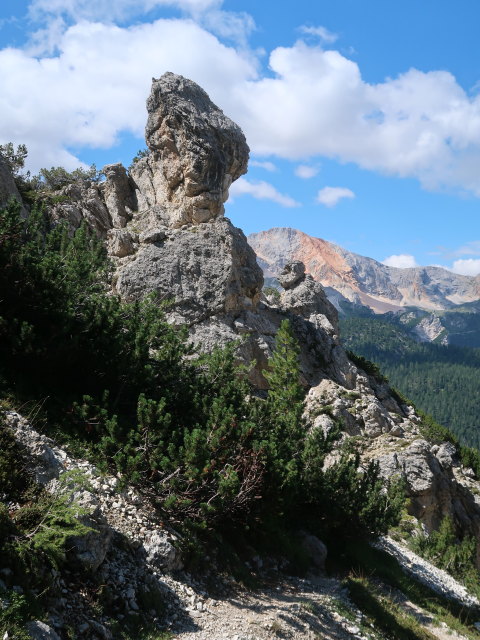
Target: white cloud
x=229 y=25
x=97 y=85
x=91 y=82
x=401 y=261
x=331 y=196
x=268 y=166
x=306 y=171
x=262 y=191
x=420 y=125
x=321 y=32
x=468 y=267
x=470 y=249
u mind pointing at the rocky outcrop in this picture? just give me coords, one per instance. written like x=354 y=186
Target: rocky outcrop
x=205 y=270
x=83 y=202
x=438 y=485
x=196 y=153
x=118 y=194
x=429 y=329
x=100 y=497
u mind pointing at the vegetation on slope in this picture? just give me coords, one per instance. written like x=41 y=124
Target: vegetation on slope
x=118 y=382
x=443 y=381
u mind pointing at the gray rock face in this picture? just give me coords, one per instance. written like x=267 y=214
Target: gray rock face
x=118 y=194
x=434 y=489
x=196 y=153
x=120 y=243
x=291 y=274
x=83 y=202
x=205 y=270
x=40 y=631
x=305 y=297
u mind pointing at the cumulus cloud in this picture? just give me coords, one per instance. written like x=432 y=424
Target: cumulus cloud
x=268 y=166
x=321 y=32
x=262 y=191
x=331 y=196
x=96 y=86
x=402 y=261
x=306 y=171
x=419 y=124
x=92 y=82
x=467 y=267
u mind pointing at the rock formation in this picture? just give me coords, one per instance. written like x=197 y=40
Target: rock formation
x=196 y=154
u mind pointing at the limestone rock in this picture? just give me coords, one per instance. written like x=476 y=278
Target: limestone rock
x=118 y=194
x=160 y=552
x=153 y=235
x=120 y=243
x=434 y=490
x=305 y=297
x=291 y=274
x=196 y=153
x=205 y=270
x=83 y=201
x=90 y=549
x=47 y=460
x=447 y=455
x=40 y=631
x=316 y=549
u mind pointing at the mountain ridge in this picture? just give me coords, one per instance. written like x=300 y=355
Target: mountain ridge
x=360 y=279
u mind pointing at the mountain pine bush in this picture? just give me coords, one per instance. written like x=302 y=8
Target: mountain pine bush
x=119 y=383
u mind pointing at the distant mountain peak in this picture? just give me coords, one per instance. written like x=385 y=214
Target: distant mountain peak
x=363 y=280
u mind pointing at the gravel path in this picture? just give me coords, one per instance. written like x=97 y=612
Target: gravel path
x=294 y=609
x=436 y=579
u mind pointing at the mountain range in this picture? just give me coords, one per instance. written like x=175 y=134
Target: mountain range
x=349 y=277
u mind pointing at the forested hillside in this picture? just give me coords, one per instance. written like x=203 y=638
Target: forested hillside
x=443 y=381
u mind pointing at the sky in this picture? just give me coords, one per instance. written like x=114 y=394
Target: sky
x=363 y=118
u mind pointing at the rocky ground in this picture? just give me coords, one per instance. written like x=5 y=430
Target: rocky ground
x=135 y=566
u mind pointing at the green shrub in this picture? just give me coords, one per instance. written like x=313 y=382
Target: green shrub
x=435 y=432
x=444 y=549
x=366 y=365
x=184 y=428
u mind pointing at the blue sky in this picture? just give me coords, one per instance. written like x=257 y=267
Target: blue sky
x=363 y=118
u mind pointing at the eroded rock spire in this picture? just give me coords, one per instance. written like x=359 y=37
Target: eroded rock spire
x=196 y=152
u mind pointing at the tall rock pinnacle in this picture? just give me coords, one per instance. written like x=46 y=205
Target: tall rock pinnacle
x=182 y=247
x=196 y=152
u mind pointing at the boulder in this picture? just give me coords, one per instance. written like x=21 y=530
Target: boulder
x=90 y=549
x=316 y=549
x=291 y=274
x=40 y=631
x=160 y=552
x=119 y=243
x=118 y=194
x=204 y=270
